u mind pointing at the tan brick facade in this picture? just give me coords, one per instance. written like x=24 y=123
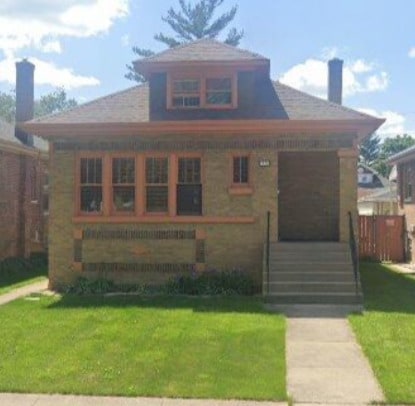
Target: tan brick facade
x=139 y=254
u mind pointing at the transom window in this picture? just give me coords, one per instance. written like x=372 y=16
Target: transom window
x=157 y=185
x=202 y=92
x=91 y=185
x=240 y=170
x=123 y=184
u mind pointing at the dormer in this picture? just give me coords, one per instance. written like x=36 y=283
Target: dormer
x=204 y=79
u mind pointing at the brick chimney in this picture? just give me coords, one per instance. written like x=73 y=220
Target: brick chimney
x=335 y=85
x=24 y=97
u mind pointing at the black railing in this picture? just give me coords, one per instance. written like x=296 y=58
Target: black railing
x=267 y=248
x=354 y=252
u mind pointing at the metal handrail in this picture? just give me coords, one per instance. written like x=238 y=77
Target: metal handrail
x=354 y=253
x=268 y=247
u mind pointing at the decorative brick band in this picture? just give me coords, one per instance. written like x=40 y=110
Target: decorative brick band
x=134 y=267
x=91 y=234
x=200 y=251
x=289 y=143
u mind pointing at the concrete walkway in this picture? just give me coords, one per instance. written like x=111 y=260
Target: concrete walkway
x=61 y=400
x=325 y=365
x=23 y=291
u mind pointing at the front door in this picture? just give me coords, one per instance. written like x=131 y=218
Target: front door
x=308 y=196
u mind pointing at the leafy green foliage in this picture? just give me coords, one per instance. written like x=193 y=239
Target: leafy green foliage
x=7 y=107
x=53 y=102
x=212 y=283
x=386 y=330
x=206 y=283
x=389 y=147
x=190 y=23
x=369 y=149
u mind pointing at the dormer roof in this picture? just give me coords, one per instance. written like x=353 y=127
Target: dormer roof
x=201 y=52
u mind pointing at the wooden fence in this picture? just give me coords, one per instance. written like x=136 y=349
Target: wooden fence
x=382 y=238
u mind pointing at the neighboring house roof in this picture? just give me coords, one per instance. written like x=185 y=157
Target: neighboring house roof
x=405 y=155
x=379 y=190
x=208 y=50
x=7 y=132
x=132 y=106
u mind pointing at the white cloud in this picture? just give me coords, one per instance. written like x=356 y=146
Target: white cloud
x=34 y=23
x=394 y=124
x=411 y=52
x=125 y=40
x=311 y=76
x=47 y=73
x=52 y=47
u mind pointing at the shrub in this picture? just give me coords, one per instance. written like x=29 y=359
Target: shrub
x=212 y=283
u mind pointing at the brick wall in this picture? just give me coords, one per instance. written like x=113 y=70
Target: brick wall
x=22 y=222
x=141 y=255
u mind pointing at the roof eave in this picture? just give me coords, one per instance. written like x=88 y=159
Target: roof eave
x=360 y=128
x=403 y=156
x=146 y=68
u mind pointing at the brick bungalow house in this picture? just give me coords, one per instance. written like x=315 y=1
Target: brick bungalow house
x=404 y=162
x=178 y=174
x=23 y=173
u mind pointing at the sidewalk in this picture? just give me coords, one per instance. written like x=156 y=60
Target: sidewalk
x=325 y=365
x=69 y=400
x=23 y=291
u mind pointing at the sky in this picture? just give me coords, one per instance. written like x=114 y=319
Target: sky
x=84 y=46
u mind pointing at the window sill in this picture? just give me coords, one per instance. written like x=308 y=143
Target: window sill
x=165 y=219
x=240 y=191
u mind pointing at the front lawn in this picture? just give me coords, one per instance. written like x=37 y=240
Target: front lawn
x=386 y=330
x=225 y=347
x=18 y=272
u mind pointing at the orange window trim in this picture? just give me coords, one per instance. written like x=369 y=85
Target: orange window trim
x=240 y=189
x=202 y=78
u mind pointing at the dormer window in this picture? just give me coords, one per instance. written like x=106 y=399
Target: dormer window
x=208 y=92
x=186 y=93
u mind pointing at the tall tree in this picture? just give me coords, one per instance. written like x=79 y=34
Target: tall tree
x=190 y=23
x=53 y=102
x=390 y=147
x=369 y=149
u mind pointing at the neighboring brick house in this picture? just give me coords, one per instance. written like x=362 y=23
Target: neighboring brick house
x=22 y=195
x=376 y=195
x=178 y=174
x=404 y=162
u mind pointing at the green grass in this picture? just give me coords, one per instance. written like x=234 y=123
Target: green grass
x=386 y=331
x=18 y=272
x=224 y=347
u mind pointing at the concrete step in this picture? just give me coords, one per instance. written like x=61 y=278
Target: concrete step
x=314 y=298
x=316 y=256
x=310 y=267
x=293 y=276
x=312 y=287
x=309 y=246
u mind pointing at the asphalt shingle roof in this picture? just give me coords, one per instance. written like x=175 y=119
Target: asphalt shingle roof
x=132 y=106
x=203 y=50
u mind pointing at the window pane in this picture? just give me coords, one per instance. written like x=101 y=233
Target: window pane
x=240 y=169
x=156 y=170
x=219 y=98
x=186 y=86
x=186 y=101
x=91 y=198
x=219 y=84
x=91 y=170
x=124 y=198
x=123 y=170
x=189 y=200
x=157 y=199
x=189 y=170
